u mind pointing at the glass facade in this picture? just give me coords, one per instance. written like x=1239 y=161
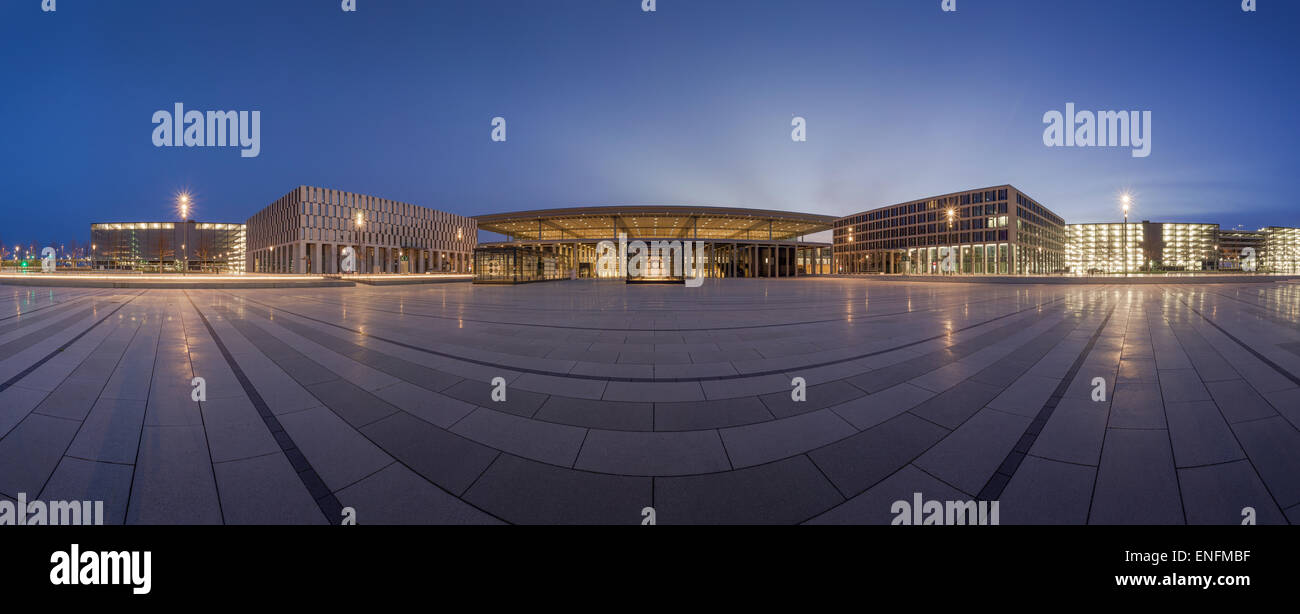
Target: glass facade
x=731 y=242
x=513 y=265
x=168 y=247
x=992 y=231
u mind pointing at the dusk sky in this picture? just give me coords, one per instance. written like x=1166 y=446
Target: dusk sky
x=607 y=104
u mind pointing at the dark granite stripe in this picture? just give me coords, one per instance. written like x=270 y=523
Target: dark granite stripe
x=36 y=365
x=996 y=484
x=328 y=503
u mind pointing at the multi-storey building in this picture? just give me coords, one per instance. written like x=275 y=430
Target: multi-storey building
x=1150 y=246
x=168 y=246
x=1240 y=247
x=997 y=230
x=1281 y=250
x=306 y=231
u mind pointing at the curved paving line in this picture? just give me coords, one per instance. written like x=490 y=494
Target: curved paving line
x=329 y=503
x=653 y=479
x=639 y=330
x=664 y=306
x=652 y=380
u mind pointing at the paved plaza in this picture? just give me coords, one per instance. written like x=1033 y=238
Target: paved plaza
x=618 y=398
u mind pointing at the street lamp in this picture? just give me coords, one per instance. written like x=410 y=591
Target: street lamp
x=183 y=203
x=951 y=213
x=1126 y=199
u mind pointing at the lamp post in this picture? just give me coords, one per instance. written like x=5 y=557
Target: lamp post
x=1125 y=199
x=951 y=213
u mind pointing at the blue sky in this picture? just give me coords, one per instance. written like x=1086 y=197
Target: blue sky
x=607 y=104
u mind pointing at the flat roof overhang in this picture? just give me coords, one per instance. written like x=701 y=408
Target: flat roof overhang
x=543 y=242
x=665 y=222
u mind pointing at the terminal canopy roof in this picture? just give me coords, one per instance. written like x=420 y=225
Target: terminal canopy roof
x=658 y=222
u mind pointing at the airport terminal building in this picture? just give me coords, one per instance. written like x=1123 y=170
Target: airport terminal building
x=306 y=231
x=736 y=242
x=990 y=231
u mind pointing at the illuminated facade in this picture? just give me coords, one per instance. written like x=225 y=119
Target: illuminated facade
x=1101 y=248
x=168 y=247
x=1281 y=250
x=1151 y=246
x=736 y=242
x=306 y=231
x=990 y=231
x=1233 y=246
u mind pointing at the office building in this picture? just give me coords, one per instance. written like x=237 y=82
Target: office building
x=997 y=230
x=306 y=231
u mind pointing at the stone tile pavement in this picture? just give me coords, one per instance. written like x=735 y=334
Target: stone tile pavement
x=586 y=402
